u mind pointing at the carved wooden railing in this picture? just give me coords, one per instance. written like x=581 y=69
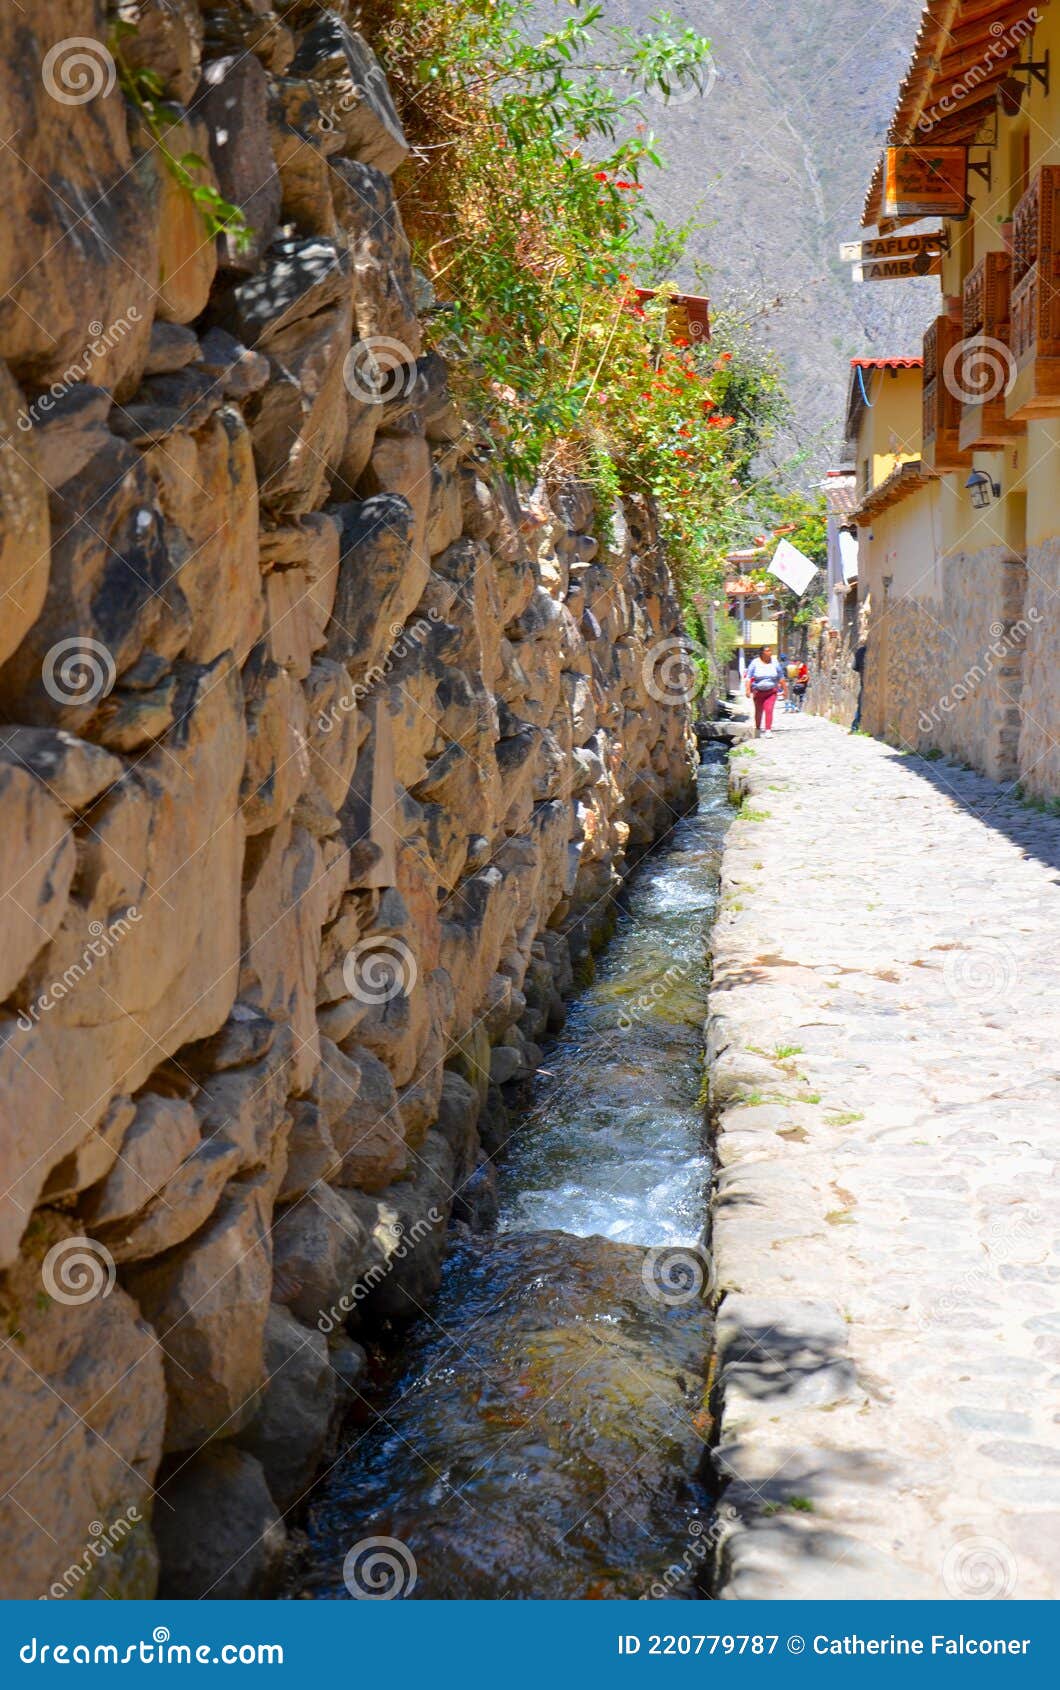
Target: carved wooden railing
x=942 y=409
x=1036 y=297
x=982 y=374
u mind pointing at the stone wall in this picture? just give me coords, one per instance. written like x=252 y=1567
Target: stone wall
x=947 y=674
x=322 y=752
x=1039 y=729
x=834 y=681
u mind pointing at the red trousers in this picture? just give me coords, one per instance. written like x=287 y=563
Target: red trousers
x=764 y=703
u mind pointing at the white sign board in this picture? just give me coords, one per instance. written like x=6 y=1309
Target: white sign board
x=792 y=567
x=848 y=554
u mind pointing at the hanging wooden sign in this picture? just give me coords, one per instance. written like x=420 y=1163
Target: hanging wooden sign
x=925 y=182
x=895 y=246
x=898 y=269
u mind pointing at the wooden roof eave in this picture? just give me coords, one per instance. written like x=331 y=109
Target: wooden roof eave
x=947 y=29
x=902 y=482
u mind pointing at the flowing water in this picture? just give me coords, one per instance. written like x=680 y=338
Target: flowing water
x=545 y=1433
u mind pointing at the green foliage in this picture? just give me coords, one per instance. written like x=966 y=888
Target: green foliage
x=145 y=89
x=524 y=201
x=803 y=520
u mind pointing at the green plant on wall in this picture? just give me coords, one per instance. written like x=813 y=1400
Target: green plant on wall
x=145 y=90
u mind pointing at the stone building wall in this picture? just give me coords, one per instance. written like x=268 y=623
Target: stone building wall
x=946 y=674
x=322 y=751
x=1039 y=729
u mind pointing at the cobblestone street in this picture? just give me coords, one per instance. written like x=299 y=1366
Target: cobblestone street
x=885 y=1024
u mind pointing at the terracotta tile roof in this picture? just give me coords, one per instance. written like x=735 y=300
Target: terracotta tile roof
x=840 y=490
x=910 y=363
x=964 y=49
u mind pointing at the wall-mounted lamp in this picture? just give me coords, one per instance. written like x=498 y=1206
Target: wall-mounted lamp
x=983 y=489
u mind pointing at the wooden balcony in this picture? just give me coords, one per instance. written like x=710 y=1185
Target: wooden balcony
x=942 y=409
x=1036 y=300
x=981 y=374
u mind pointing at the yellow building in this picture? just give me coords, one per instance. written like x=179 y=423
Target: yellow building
x=960 y=570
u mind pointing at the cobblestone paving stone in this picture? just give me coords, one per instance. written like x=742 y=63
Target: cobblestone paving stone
x=885 y=1041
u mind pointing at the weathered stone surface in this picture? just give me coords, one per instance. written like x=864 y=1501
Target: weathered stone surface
x=207 y=486
x=352 y=91
x=74 y=771
x=39 y=1130
x=239 y=371
x=233 y=100
x=82 y=1408
x=59 y=156
x=187 y=255
x=285 y=907
x=416 y=1210
x=298 y=280
x=207 y=1301
x=165 y=36
x=24 y=523
x=383 y=296
x=300 y=428
x=290 y=1428
x=37 y=859
x=109 y=592
x=380 y=580
x=277 y=766
x=321 y=1248
x=159 y=881
x=361 y=1103
x=219 y=1533
x=311 y=1154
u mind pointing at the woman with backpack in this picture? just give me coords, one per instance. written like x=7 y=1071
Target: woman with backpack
x=765 y=680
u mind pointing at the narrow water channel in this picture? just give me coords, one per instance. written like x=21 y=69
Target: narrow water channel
x=545 y=1434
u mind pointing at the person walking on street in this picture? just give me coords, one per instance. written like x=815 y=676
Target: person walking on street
x=859 y=669
x=765 y=679
x=800 y=680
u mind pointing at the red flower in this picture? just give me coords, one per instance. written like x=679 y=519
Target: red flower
x=600 y=176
